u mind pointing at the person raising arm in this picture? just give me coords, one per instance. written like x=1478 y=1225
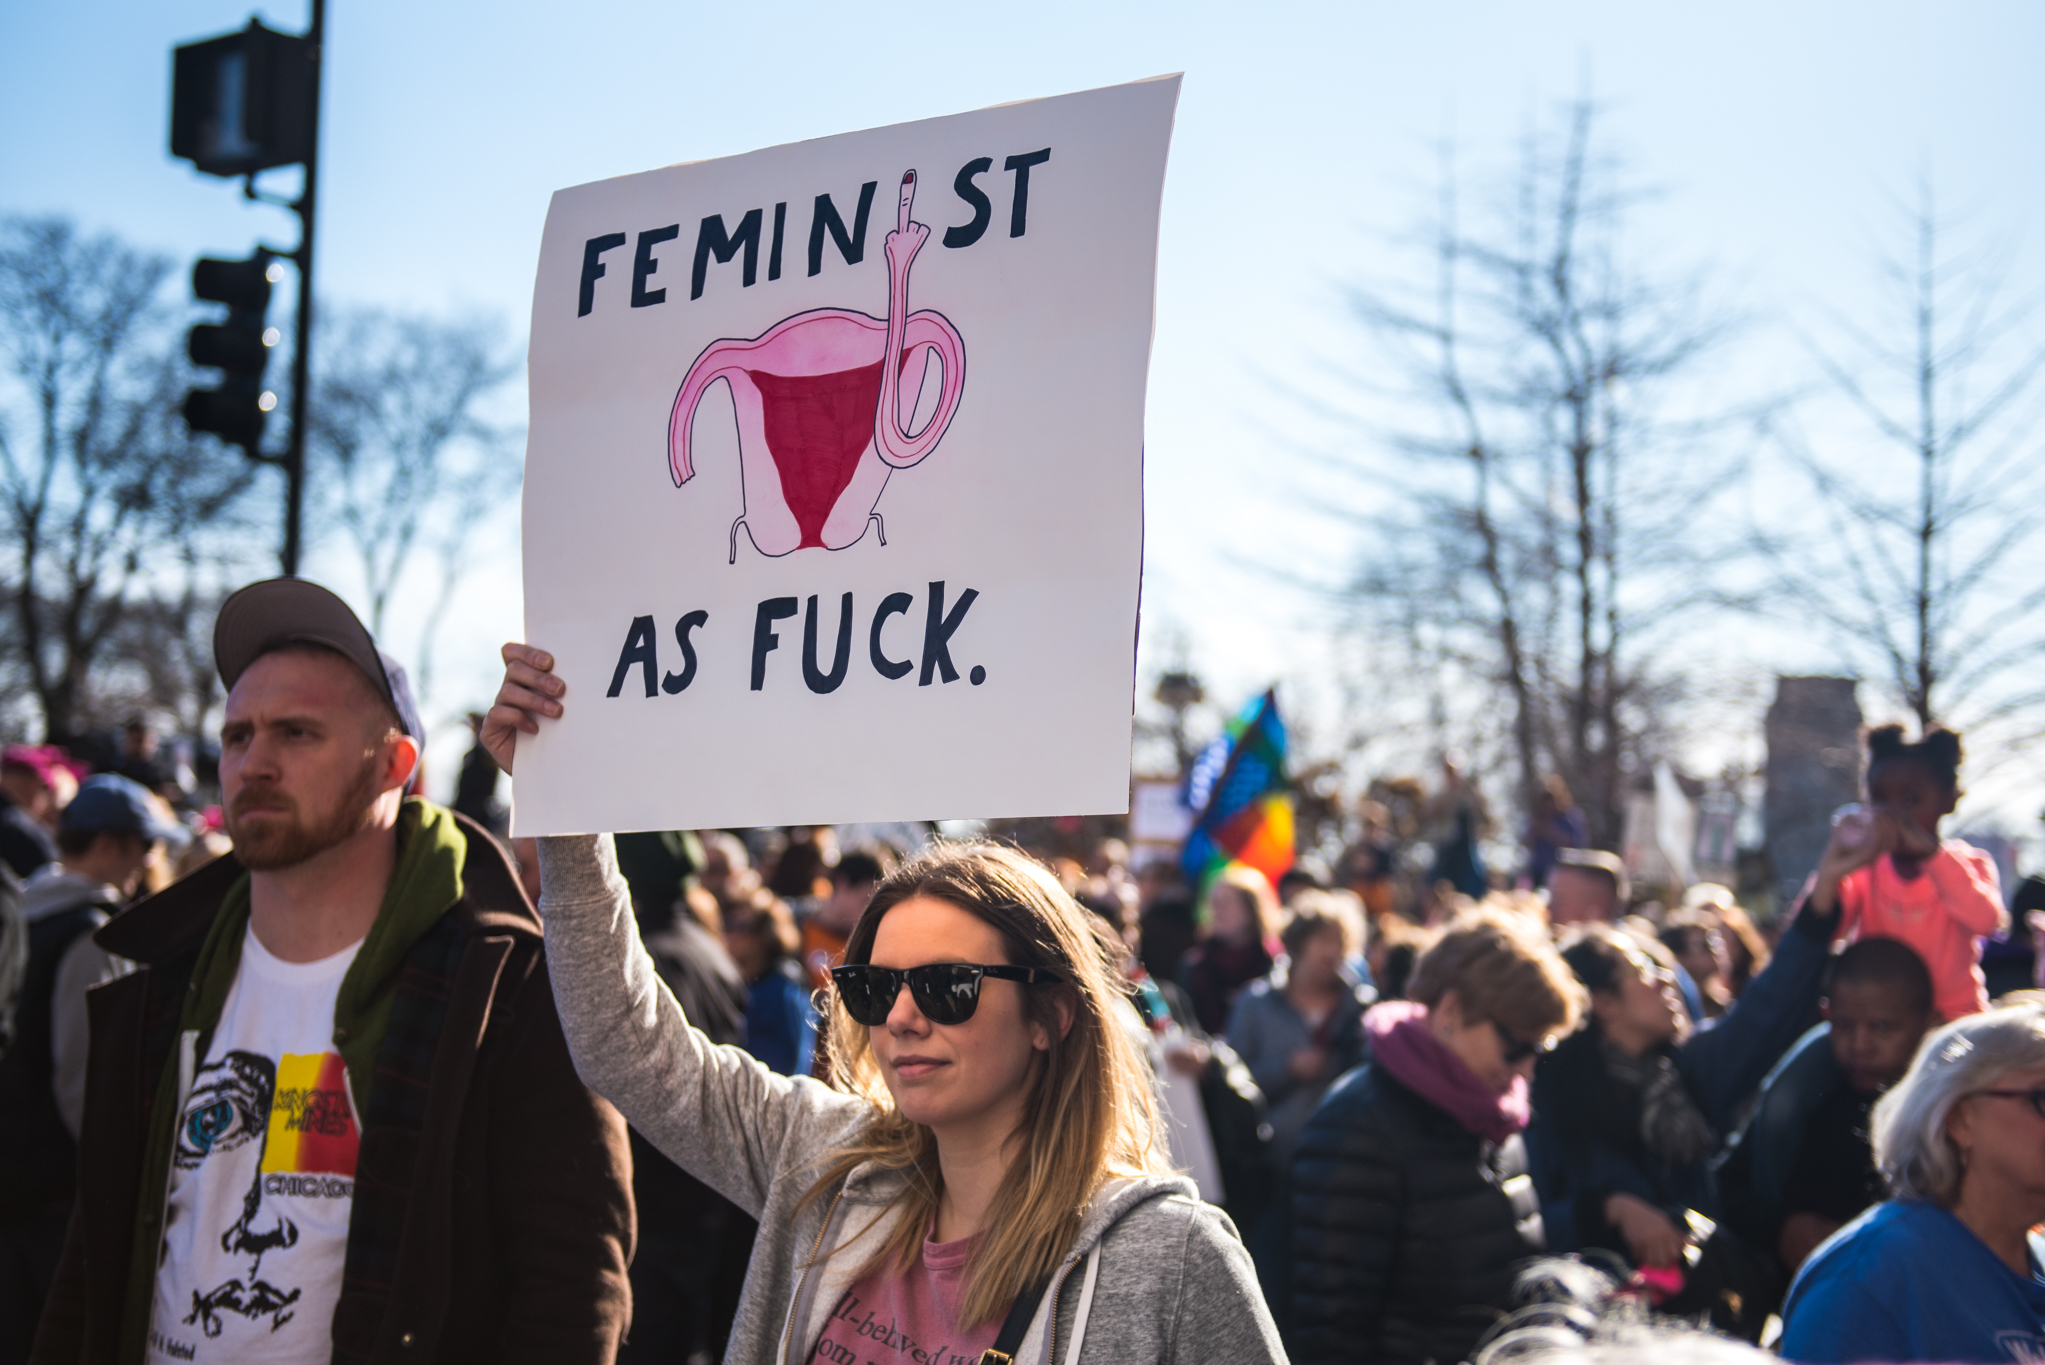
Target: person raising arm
x=982 y=1167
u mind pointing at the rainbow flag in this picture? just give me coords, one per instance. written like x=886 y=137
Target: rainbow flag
x=1241 y=798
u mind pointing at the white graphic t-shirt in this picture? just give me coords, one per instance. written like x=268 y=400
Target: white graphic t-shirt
x=262 y=1175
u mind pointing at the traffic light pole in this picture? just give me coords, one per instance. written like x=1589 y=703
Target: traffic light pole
x=241 y=104
x=301 y=353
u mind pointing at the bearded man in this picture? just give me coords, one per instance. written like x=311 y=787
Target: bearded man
x=331 y=1117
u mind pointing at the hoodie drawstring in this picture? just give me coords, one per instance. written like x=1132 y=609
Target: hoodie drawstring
x=1086 y=1299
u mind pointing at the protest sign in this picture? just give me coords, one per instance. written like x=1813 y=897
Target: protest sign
x=834 y=483
x=1158 y=822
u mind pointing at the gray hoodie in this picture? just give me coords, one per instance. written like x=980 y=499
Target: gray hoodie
x=53 y=889
x=1155 y=1274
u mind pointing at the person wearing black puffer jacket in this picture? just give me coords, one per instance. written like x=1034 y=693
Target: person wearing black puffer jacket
x=1411 y=1203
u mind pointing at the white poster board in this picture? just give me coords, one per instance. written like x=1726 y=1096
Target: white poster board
x=717 y=470
x=1157 y=816
x=1158 y=823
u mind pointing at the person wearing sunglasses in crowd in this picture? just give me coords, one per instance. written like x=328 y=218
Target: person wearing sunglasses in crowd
x=1411 y=1206
x=1945 y=1269
x=982 y=1171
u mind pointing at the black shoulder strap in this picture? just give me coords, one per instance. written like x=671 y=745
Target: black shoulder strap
x=1002 y=1352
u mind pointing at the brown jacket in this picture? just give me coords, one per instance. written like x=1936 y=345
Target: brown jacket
x=511 y=1203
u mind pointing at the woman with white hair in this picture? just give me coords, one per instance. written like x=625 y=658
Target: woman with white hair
x=1944 y=1270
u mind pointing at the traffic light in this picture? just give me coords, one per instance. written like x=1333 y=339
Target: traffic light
x=243 y=102
x=240 y=104
x=238 y=347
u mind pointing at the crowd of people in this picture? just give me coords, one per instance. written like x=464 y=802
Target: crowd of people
x=327 y=1071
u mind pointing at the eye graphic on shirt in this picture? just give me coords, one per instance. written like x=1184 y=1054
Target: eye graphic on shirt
x=229 y=1105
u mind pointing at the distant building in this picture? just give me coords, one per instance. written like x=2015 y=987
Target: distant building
x=1813 y=733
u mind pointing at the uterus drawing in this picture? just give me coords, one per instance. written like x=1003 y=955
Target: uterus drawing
x=824 y=400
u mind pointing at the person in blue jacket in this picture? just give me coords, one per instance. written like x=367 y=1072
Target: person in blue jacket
x=1630 y=1110
x=1945 y=1270
x=781 y=1022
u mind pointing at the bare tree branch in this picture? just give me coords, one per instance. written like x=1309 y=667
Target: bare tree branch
x=1928 y=588
x=110 y=482
x=1550 y=480
x=412 y=464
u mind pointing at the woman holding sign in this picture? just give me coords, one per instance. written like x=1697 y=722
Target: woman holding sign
x=982 y=1176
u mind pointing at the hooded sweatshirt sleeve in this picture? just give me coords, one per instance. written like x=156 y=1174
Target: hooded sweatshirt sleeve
x=1221 y=1312
x=84 y=965
x=713 y=1110
x=1724 y=1065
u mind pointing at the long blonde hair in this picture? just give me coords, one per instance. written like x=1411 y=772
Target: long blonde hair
x=1087 y=1115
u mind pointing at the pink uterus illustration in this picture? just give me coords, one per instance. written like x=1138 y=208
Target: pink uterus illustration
x=823 y=400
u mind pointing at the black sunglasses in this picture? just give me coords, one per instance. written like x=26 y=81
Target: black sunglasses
x=946 y=992
x=1516 y=1050
x=2036 y=1097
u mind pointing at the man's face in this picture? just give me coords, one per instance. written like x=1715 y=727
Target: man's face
x=1577 y=897
x=304 y=763
x=1875 y=1032
x=127 y=856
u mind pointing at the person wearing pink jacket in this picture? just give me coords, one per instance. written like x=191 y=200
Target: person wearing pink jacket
x=1939 y=897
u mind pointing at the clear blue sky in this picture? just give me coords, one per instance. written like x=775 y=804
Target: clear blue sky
x=1778 y=135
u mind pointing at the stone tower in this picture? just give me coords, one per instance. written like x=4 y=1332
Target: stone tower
x=1813 y=733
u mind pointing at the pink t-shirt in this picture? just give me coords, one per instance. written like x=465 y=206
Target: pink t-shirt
x=1941 y=912
x=912 y=1319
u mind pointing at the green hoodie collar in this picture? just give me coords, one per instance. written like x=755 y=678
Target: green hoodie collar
x=425 y=884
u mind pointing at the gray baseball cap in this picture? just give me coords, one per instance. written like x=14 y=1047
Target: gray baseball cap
x=108 y=801
x=280 y=611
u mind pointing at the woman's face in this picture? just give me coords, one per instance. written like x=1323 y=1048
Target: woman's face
x=1480 y=1044
x=1738 y=960
x=2003 y=1140
x=1234 y=921
x=1319 y=964
x=1704 y=955
x=955 y=1079
x=1643 y=1009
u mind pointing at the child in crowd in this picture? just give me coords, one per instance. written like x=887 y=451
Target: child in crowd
x=1879 y=1006
x=1937 y=897
x=1801 y=1169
